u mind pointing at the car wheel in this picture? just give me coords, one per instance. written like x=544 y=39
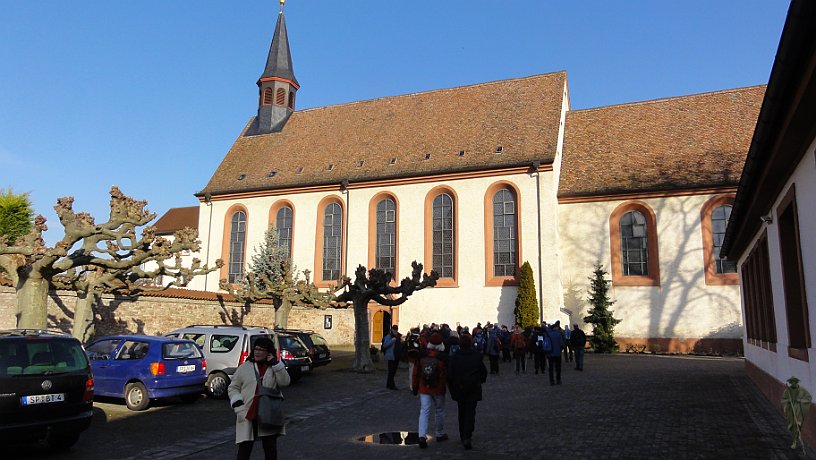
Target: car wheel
x=136 y=396
x=217 y=384
x=62 y=440
x=190 y=398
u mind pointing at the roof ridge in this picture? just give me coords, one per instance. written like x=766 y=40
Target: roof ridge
x=671 y=98
x=440 y=90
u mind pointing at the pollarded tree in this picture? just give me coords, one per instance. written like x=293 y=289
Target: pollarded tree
x=526 y=311
x=16 y=214
x=113 y=246
x=603 y=324
x=377 y=287
x=273 y=277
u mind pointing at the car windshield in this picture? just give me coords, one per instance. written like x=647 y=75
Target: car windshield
x=180 y=350
x=41 y=356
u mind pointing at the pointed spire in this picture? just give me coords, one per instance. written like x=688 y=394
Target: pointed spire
x=279 y=62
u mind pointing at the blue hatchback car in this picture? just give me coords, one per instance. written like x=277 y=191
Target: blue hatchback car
x=139 y=368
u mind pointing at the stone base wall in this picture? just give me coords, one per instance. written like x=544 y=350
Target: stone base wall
x=159 y=315
x=674 y=345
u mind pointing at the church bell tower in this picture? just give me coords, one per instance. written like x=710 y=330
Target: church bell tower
x=277 y=85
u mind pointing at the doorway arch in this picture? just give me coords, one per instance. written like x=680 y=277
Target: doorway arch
x=380 y=325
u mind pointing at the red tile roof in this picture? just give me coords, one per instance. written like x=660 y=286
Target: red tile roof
x=686 y=142
x=176 y=219
x=521 y=116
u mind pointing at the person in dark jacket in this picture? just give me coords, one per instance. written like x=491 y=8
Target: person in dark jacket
x=429 y=379
x=391 y=345
x=577 y=343
x=554 y=354
x=466 y=374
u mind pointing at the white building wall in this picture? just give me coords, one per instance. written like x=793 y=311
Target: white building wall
x=779 y=364
x=468 y=303
x=683 y=306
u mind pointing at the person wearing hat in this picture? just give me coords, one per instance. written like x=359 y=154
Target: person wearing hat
x=262 y=366
x=429 y=381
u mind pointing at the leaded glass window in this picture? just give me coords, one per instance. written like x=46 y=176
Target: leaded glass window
x=443 y=236
x=634 y=244
x=283 y=225
x=719 y=220
x=332 y=241
x=386 y=251
x=504 y=233
x=236 y=246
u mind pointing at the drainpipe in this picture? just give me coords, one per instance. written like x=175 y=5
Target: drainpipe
x=534 y=170
x=345 y=191
x=208 y=202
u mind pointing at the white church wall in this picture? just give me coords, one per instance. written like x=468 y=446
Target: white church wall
x=682 y=306
x=471 y=300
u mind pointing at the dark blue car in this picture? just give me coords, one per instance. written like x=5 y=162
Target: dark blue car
x=139 y=368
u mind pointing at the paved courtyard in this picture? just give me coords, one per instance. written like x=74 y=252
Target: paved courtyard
x=622 y=406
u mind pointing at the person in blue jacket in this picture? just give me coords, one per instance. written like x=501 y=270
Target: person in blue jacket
x=557 y=346
x=391 y=345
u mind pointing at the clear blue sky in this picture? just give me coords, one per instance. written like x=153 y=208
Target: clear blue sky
x=149 y=95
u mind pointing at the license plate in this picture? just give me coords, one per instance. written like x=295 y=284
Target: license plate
x=188 y=368
x=321 y=355
x=43 y=399
x=304 y=368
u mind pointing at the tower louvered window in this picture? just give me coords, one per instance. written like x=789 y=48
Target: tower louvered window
x=236 y=247
x=267 y=96
x=292 y=100
x=386 y=235
x=332 y=241
x=280 y=96
x=504 y=233
x=443 y=235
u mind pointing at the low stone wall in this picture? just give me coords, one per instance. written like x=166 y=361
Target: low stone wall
x=154 y=315
x=705 y=346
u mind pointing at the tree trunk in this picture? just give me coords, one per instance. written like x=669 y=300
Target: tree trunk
x=362 y=339
x=84 y=316
x=282 y=314
x=32 y=304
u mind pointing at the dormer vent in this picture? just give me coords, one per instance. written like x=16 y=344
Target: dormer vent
x=499 y=149
x=330 y=167
x=299 y=170
x=427 y=156
x=360 y=163
x=461 y=153
x=272 y=174
x=393 y=161
x=241 y=176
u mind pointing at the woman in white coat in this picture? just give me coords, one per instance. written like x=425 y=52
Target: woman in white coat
x=242 y=393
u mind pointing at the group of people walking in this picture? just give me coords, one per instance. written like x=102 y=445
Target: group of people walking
x=442 y=359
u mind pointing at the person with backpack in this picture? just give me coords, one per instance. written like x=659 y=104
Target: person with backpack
x=539 y=356
x=429 y=381
x=519 y=345
x=466 y=374
x=553 y=346
x=505 y=338
x=494 y=347
x=568 y=354
x=578 y=342
x=391 y=345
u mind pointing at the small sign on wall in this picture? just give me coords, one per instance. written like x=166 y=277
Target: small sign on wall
x=327 y=321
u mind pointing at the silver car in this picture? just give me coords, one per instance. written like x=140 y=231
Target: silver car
x=227 y=347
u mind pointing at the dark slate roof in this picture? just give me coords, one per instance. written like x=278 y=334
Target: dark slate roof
x=279 y=62
x=686 y=142
x=176 y=219
x=361 y=139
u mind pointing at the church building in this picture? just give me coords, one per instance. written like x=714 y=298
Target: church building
x=473 y=181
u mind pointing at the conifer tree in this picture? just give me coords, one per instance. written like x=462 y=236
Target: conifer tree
x=271 y=262
x=526 y=311
x=603 y=324
x=16 y=214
